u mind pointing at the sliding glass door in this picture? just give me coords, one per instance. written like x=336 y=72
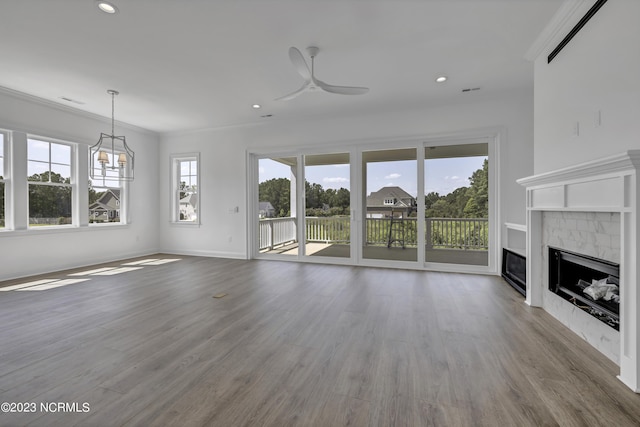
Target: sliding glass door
x=277 y=230
x=389 y=207
x=456 y=183
x=327 y=220
x=425 y=205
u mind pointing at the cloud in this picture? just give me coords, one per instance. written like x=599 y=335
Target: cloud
x=392 y=176
x=337 y=179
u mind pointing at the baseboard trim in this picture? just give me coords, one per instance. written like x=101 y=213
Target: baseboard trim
x=209 y=254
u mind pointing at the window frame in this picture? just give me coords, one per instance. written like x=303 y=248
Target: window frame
x=5 y=179
x=175 y=162
x=72 y=185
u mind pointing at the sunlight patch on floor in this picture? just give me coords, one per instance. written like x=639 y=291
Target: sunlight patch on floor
x=94 y=271
x=44 y=284
x=26 y=285
x=55 y=284
x=117 y=271
x=141 y=261
x=162 y=261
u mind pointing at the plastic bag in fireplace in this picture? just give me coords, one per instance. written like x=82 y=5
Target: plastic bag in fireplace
x=602 y=289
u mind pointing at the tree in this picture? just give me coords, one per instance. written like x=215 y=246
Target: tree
x=49 y=201
x=342 y=199
x=276 y=191
x=463 y=202
x=430 y=199
x=314 y=195
x=477 y=205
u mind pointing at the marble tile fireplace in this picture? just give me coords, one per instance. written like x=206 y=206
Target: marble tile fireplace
x=590 y=209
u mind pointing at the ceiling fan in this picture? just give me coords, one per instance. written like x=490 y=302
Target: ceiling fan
x=311 y=82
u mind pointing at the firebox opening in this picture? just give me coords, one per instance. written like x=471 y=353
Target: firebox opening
x=589 y=283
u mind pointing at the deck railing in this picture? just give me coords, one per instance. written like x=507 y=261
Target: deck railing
x=378 y=231
x=442 y=233
x=457 y=233
x=332 y=229
x=276 y=231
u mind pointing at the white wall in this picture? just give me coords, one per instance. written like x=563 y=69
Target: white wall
x=29 y=252
x=599 y=70
x=223 y=159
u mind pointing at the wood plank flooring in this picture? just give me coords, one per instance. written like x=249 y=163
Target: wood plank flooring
x=296 y=345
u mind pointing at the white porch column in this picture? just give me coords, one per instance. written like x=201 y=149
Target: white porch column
x=293 y=192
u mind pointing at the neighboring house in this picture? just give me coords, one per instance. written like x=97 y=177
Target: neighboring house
x=266 y=210
x=106 y=208
x=189 y=207
x=390 y=200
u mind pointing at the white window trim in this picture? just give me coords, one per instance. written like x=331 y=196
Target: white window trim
x=6 y=167
x=174 y=165
x=17 y=188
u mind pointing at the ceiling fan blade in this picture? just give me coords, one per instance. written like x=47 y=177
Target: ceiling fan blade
x=342 y=90
x=298 y=61
x=294 y=94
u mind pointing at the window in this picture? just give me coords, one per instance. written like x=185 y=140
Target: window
x=105 y=194
x=2 y=181
x=50 y=187
x=185 y=188
x=389 y=201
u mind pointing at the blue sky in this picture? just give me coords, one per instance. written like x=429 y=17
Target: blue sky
x=441 y=175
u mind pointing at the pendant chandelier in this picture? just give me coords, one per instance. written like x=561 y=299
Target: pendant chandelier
x=111 y=159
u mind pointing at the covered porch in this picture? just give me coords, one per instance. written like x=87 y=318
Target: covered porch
x=447 y=240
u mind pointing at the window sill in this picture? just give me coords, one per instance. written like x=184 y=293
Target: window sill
x=38 y=231
x=184 y=224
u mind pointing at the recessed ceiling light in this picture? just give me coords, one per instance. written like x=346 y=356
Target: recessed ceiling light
x=441 y=79
x=256 y=106
x=106 y=7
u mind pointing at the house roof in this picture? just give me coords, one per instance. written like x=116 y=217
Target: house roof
x=191 y=198
x=238 y=51
x=401 y=198
x=264 y=206
x=107 y=201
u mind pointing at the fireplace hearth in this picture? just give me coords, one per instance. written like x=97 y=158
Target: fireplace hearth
x=589 y=283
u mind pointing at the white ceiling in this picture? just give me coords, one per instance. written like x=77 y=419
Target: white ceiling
x=194 y=64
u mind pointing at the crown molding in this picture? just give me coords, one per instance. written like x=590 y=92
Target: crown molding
x=68 y=109
x=561 y=23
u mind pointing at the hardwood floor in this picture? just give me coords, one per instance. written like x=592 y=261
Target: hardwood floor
x=296 y=344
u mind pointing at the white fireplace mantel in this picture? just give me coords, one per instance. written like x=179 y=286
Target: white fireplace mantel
x=610 y=184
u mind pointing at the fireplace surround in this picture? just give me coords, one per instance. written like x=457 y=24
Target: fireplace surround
x=607 y=186
x=589 y=283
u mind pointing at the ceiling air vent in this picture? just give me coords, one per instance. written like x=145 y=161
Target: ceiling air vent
x=597 y=5
x=71 y=100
